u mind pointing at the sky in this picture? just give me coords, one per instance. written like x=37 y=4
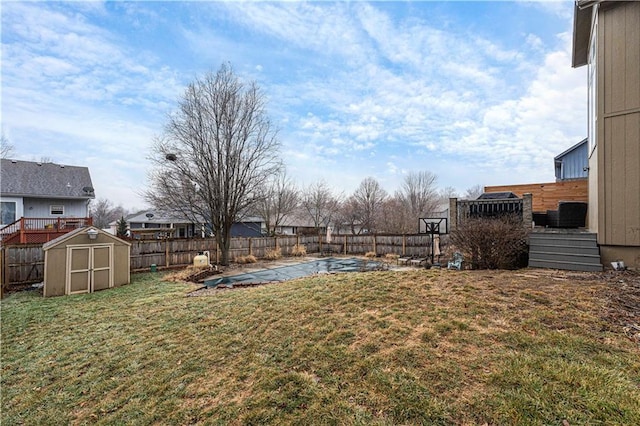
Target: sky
x=474 y=92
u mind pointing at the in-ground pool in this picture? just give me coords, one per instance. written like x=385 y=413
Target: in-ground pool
x=284 y=273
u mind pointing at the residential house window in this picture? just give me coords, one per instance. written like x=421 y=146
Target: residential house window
x=8 y=212
x=593 y=86
x=56 y=210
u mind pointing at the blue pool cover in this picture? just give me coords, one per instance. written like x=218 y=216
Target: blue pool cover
x=284 y=273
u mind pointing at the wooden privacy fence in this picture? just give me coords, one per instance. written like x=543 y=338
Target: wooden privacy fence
x=24 y=263
x=546 y=196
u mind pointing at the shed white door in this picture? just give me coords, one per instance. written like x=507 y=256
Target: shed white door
x=89 y=268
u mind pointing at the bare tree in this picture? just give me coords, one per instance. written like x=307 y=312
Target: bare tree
x=348 y=216
x=217 y=150
x=369 y=197
x=278 y=200
x=6 y=148
x=448 y=192
x=319 y=204
x=418 y=195
x=103 y=212
x=392 y=217
x=473 y=192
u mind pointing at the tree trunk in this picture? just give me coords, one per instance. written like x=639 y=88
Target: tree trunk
x=224 y=242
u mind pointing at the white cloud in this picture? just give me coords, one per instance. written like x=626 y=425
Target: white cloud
x=355 y=89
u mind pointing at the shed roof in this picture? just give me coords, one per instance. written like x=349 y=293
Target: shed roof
x=45 y=180
x=61 y=239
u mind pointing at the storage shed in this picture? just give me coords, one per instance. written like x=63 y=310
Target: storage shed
x=85 y=260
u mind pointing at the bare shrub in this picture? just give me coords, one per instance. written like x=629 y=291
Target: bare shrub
x=391 y=258
x=299 y=250
x=274 y=254
x=492 y=243
x=246 y=259
x=370 y=254
x=181 y=274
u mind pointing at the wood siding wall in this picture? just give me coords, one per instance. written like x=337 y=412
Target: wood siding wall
x=618 y=143
x=24 y=264
x=547 y=195
x=37 y=207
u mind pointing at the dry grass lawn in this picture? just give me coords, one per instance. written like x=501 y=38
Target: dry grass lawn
x=415 y=347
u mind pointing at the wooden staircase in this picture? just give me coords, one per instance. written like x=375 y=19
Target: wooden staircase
x=568 y=249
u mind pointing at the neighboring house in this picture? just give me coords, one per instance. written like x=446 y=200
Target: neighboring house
x=41 y=201
x=151 y=224
x=249 y=227
x=572 y=163
x=298 y=223
x=606 y=38
x=43 y=190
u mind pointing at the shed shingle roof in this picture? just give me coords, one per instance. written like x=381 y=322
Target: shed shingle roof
x=50 y=180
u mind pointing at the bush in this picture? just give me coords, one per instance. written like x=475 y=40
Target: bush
x=370 y=254
x=492 y=243
x=246 y=259
x=391 y=257
x=274 y=254
x=299 y=250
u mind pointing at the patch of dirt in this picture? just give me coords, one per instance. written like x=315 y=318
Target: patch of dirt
x=622 y=296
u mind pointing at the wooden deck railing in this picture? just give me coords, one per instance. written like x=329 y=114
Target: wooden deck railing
x=40 y=230
x=462 y=209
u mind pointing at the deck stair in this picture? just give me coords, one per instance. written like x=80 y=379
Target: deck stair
x=572 y=250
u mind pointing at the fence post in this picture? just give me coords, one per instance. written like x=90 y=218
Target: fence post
x=345 y=244
x=3 y=281
x=375 y=248
x=250 y=250
x=453 y=214
x=166 y=253
x=404 y=244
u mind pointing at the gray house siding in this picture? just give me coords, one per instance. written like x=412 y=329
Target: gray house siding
x=41 y=207
x=573 y=164
x=246 y=229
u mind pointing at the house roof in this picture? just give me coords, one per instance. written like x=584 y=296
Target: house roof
x=69 y=235
x=154 y=216
x=582 y=11
x=44 y=180
x=582 y=20
x=573 y=148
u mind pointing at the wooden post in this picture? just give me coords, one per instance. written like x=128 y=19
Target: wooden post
x=250 y=253
x=2 y=279
x=166 y=253
x=404 y=244
x=375 y=248
x=320 y=243
x=275 y=239
x=217 y=252
x=345 y=244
